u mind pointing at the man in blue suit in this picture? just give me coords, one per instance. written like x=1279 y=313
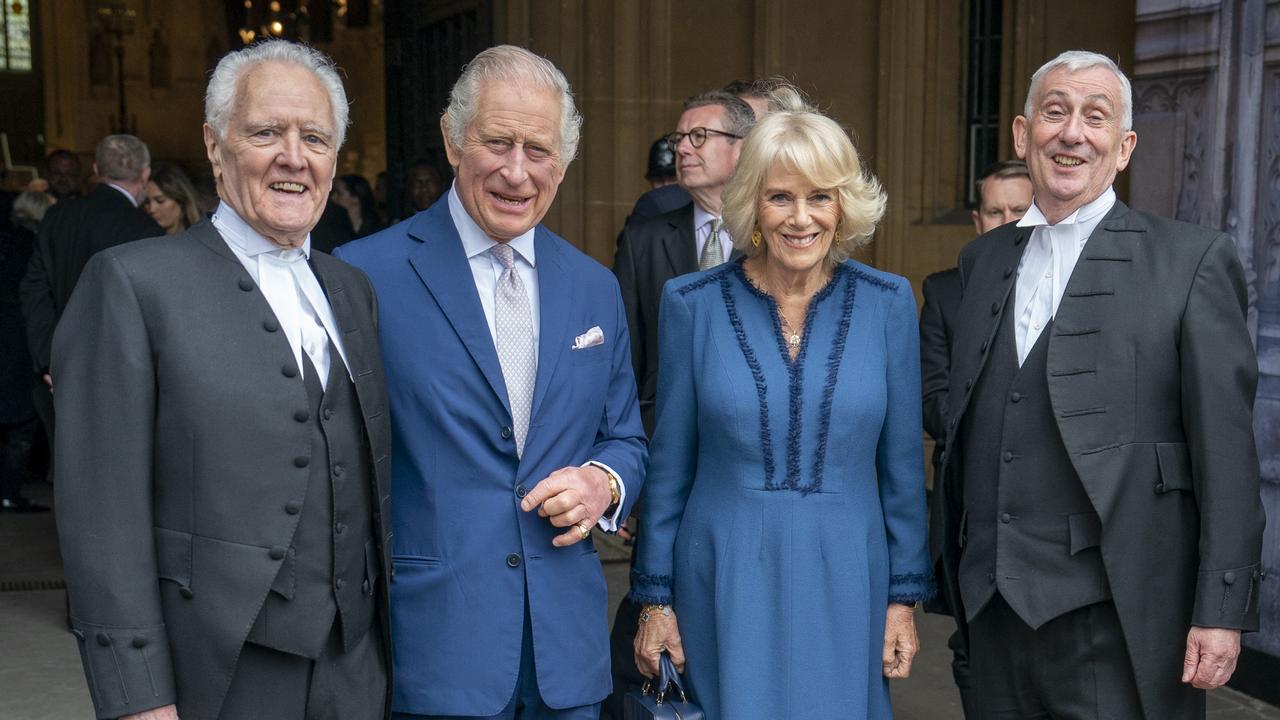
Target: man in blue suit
x=516 y=428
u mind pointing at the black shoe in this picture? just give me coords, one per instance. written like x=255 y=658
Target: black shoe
x=21 y=506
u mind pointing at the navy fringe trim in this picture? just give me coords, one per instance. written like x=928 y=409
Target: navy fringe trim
x=710 y=277
x=645 y=579
x=829 y=387
x=643 y=599
x=757 y=374
x=795 y=373
x=926 y=588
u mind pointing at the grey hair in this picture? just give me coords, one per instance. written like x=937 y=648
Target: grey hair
x=219 y=98
x=739 y=118
x=798 y=137
x=519 y=66
x=1075 y=61
x=121 y=158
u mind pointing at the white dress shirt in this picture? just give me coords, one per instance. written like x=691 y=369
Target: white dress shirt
x=1047 y=265
x=485 y=270
x=702 y=232
x=291 y=290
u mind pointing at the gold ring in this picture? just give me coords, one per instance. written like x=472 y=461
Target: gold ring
x=585 y=529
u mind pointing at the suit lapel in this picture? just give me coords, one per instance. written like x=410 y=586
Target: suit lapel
x=555 y=298
x=443 y=267
x=680 y=245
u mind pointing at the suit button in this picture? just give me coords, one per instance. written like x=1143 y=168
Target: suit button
x=103 y=639
x=139 y=642
x=277 y=553
x=1007 y=272
x=366 y=587
x=270 y=325
x=289 y=371
x=1006 y=518
x=1160 y=486
x=301 y=415
x=301 y=461
x=995 y=308
x=339 y=529
x=338 y=469
x=293 y=507
x=186 y=593
x=246 y=284
x=1008 y=456
x=339 y=584
x=513 y=560
x=520 y=491
x=991 y=577
x=1015 y=396
x=506 y=433
x=1228 y=577
x=328 y=413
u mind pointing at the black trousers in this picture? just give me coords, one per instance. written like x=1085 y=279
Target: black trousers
x=1074 y=667
x=335 y=686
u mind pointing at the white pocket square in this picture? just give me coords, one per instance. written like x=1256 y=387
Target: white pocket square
x=590 y=338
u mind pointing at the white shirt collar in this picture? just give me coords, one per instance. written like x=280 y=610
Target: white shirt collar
x=701 y=218
x=475 y=241
x=132 y=200
x=1088 y=212
x=239 y=233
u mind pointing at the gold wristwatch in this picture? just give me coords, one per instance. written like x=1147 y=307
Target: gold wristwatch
x=615 y=493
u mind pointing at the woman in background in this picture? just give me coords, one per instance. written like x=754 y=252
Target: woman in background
x=353 y=194
x=784 y=507
x=170 y=199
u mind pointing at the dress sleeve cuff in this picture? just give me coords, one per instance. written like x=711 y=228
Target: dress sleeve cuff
x=649 y=589
x=909 y=588
x=609 y=523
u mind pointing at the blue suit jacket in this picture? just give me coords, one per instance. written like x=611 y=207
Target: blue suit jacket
x=463 y=552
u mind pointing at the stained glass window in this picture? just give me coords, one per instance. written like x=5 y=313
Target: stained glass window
x=17 y=36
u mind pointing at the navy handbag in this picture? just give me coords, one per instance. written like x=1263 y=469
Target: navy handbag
x=662 y=699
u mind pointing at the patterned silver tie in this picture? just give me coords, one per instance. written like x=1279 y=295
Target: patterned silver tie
x=513 y=324
x=712 y=252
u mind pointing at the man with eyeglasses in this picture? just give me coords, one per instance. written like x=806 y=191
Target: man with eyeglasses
x=650 y=252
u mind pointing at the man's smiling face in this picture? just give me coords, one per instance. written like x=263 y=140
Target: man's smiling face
x=1073 y=142
x=276 y=162
x=508 y=168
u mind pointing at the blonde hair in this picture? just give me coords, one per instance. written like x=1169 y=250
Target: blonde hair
x=801 y=139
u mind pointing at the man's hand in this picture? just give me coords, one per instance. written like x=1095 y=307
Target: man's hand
x=900 y=641
x=571 y=497
x=1211 y=657
x=168 y=712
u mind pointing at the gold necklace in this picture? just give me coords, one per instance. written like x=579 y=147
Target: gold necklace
x=790 y=335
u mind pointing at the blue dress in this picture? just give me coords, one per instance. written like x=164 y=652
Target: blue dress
x=784 y=506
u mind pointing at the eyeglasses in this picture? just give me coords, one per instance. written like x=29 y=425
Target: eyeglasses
x=697 y=136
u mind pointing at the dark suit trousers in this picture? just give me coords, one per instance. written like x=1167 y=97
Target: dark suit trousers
x=1074 y=667
x=336 y=686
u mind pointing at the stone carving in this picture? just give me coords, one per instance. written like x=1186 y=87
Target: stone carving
x=1185 y=95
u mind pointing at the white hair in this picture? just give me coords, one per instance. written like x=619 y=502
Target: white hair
x=219 y=98
x=519 y=66
x=1075 y=61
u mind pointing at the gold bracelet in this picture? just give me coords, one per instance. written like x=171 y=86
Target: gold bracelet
x=653 y=608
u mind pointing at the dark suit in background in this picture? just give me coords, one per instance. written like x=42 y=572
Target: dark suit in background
x=657 y=201
x=941 y=292
x=651 y=252
x=17 y=416
x=220 y=516
x=1127 y=433
x=70 y=233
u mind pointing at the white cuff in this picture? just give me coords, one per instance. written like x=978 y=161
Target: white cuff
x=609 y=523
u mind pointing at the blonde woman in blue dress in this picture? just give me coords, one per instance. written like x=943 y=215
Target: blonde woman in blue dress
x=784 y=508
